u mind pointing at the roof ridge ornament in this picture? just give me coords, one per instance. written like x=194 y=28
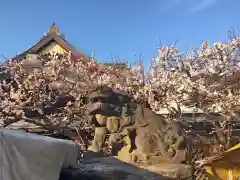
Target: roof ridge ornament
x=54 y=29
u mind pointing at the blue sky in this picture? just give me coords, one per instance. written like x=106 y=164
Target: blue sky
x=126 y=28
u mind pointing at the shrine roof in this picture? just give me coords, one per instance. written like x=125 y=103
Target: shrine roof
x=53 y=35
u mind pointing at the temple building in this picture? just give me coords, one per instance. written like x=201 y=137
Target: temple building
x=53 y=42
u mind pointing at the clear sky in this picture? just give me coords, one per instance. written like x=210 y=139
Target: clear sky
x=126 y=28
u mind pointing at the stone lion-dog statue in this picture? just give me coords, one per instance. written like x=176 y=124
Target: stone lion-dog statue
x=149 y=137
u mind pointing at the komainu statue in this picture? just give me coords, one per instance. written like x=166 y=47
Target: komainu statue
x=149 y=137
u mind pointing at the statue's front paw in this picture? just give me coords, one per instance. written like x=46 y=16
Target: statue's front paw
x=145 y=157
x=134 y=158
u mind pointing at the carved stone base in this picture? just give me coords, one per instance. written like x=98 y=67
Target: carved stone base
x=135 y=157
x=173 y=171
x=109 y=168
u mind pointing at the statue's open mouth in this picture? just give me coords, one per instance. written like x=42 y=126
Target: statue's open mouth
x=105 y=109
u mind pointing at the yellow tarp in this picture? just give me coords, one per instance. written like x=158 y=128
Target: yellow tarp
x=224 y=166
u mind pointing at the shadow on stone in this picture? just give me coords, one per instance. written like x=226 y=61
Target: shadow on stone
x=98 y=167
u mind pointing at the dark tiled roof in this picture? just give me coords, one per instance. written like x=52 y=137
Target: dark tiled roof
x=46 y=40
x=54 y=36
